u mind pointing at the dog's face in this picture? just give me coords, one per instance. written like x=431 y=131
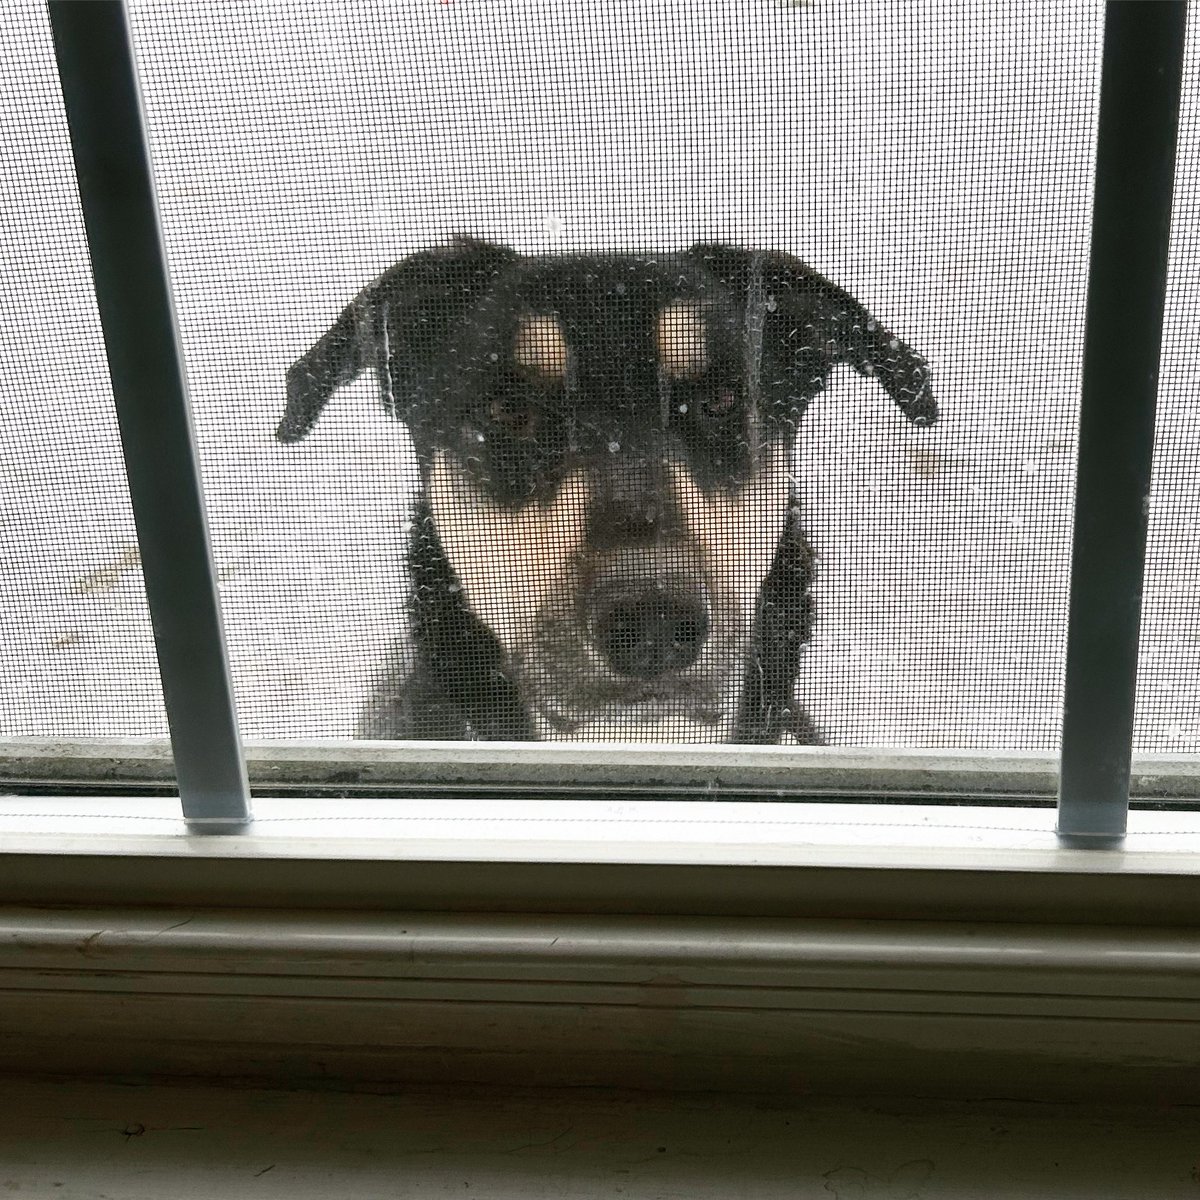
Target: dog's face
x=609 y=490
x=605 y=445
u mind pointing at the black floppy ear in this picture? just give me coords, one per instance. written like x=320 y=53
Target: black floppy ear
x=394 y=326
x=817 y=324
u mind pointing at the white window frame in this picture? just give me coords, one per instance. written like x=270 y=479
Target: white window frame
x=825 y=944
x=752 y=945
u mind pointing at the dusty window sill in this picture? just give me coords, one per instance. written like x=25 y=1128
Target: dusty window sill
x=746 y=947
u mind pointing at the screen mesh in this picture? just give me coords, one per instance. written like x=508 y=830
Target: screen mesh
x=1168 y=702
x=933 y=160
x=76 y=650
x=606 y=529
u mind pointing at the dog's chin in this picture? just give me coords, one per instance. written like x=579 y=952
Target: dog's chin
x=639 y=722
x=667 y=729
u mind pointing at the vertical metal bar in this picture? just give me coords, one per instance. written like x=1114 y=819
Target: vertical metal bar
x=112 y=163
x=1135 y=171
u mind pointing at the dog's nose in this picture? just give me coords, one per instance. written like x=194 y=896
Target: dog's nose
x=649 y=630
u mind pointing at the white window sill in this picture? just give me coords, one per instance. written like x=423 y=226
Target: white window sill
x=73 y=1140
x=693 y=832
x=696 y=945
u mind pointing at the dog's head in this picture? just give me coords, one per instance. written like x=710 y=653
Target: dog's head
x=604 y=443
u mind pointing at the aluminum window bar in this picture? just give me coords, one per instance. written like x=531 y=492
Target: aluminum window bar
x=112 y=162
x=1135 y=170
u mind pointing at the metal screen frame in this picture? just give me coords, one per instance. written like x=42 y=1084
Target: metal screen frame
x=93 y=47
x=1138 y=126
x=1140 y=84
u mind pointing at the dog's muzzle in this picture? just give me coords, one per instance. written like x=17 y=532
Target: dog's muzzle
x=645 y=628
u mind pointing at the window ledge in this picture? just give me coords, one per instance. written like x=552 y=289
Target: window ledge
x=838 y=948
x=145 y=1143
x=717 y=858
x=701 y=1003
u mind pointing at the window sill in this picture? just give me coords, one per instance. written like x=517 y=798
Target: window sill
x=74 y=1139
x=838 y=948
x=697 y=858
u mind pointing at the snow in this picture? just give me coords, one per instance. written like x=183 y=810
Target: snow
x=933 y=158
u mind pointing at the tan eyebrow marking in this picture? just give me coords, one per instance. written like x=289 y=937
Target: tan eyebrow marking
x=542 y=346
x=681 y=340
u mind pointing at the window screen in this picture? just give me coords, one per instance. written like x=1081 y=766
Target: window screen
x=601 y=342
x=1168 y=702
x=76 y=648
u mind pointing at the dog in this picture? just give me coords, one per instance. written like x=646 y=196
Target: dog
x=606 y=543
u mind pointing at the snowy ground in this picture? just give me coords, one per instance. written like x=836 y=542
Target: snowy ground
x=933 y=158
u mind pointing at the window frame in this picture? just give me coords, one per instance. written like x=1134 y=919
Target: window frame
x=1141 y=81
x=949 y=952
x=127 y=919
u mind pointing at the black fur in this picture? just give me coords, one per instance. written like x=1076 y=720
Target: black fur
x=438 y=329
x=782 y=624
x=456 y=687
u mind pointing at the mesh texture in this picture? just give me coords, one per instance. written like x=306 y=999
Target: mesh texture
x=1168 y=701
x=76 y=648
x=933 y=160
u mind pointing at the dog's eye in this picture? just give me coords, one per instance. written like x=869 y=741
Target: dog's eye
x=516 y=415
x=720 y=404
